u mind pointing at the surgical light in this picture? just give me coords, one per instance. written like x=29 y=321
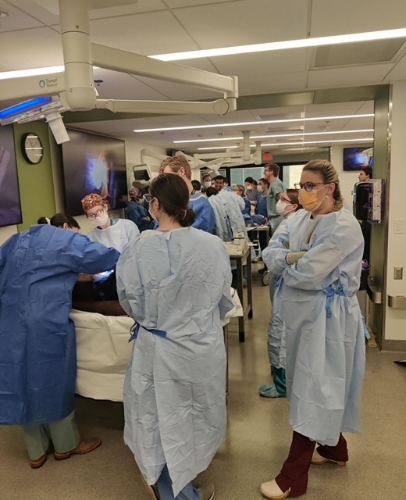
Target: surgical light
x=22 y=107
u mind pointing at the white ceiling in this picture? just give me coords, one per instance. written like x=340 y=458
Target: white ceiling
x=30 y=37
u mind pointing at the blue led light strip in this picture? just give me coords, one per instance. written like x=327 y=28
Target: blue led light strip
x=24 y=106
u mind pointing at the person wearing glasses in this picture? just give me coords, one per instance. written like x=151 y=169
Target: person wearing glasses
x=116 y=233
x=271 y=174
x=318 y=253
x=38 y=271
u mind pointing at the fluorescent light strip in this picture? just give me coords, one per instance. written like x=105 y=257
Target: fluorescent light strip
x=291 y=144
x=257 y=122
x=288 y=44
x=240 y=138
x=21 y=73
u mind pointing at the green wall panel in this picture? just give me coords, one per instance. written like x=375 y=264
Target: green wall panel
x=36 y=181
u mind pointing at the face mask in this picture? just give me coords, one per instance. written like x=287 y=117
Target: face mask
x=260 y=189
x=101 y=220
x=207 y=184
x=309 y=199
x=282 y=207
x=152 y=214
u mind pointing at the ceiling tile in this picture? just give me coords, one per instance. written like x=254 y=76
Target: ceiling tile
x=141 y=6
x=398 y=72
x=345 y=77
x=356 y=17
x=269 y=83
x=247 y=22
x=17 y=20
x=34 y=48
x=174 y=4
x=145 y=34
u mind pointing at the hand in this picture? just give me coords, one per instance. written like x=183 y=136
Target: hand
x=293 y=257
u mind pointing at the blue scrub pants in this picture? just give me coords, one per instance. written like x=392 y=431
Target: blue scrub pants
x=164 y=485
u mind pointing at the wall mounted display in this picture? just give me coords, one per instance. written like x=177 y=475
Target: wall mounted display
x=10 y=206
x=356 y=158
x=31 y=148
x=93 y=164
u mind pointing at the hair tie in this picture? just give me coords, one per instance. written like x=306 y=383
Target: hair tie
x=48 y=220
x=184 y=215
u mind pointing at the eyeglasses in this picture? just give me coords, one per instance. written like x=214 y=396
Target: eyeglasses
x=308 y=186
x=147 y=198
x=97 y=214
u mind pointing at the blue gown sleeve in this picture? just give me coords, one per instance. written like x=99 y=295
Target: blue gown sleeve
x=5 y=250
x=205 y=220
x=319 y=267
x=91 y=257
x=274 y=255
x=129 y=287
x=226 y=303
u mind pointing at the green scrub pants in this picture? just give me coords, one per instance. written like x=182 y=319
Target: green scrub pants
x=63 y=435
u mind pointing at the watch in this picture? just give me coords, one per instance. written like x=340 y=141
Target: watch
x=31 y=148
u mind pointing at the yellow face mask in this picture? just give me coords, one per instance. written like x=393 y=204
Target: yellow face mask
x=309 y=199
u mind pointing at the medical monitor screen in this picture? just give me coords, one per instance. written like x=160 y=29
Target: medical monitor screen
x=93 y=164
x=356 y=158
x=10 y=207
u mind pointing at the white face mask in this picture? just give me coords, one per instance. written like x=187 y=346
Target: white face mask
x=207 y=184
x=101 y=220
x=282 y=207
x=260 y=189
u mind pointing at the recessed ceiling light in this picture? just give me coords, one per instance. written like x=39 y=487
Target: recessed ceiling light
x=292 y=143
x=288 y=44
x=298 y=134
x=257 y=123
x=21 y=73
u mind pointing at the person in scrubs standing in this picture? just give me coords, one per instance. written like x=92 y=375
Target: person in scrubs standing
x=175 y=389
x=318 y=253
x=38 y=270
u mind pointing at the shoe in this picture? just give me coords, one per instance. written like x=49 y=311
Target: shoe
x=85 y=446
x=269 y=391
x=39 y=462
x=207 y=491
x=272 y=491
x=317 y=459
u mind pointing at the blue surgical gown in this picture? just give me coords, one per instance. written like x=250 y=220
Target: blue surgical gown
x=205 y=219
x=38 y=270
x=174 y=392
x=139 y=215
x=325 y=343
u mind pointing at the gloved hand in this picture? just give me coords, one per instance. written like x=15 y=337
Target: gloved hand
x=293 y=257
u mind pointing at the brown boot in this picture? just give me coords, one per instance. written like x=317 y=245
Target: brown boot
x=85 y=446
x=39 y=462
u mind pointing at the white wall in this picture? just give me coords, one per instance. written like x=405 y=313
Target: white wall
x=395 y=327
x=6 y=232
x=347 y=179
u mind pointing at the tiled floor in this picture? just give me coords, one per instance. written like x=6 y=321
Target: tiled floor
x=258 y=439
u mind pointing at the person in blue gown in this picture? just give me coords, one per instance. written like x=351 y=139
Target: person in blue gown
x=38 y=271
x=175 y=388
x=318 y=253
x=138 y=213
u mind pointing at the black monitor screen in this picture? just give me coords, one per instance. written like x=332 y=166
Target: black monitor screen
x=10 y=207
x=93 y=164
x=356 y=158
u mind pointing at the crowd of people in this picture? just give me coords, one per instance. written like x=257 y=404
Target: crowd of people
x=174 y=392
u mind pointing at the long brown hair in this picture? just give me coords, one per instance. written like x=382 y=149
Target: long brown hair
x=329 y=175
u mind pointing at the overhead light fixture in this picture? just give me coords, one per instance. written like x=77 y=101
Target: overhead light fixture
x=257 y=122
x=21 y=73
x=297 y=134
x=25 y=106
x=287 y=44
x=292 y=143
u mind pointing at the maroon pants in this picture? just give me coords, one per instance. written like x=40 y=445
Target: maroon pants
x=295 y=470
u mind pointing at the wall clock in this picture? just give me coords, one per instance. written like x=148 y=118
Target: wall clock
x=31 y=148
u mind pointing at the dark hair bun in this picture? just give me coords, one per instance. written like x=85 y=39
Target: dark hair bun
x=185 y=217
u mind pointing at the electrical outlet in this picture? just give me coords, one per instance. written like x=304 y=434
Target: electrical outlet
x=398 y=273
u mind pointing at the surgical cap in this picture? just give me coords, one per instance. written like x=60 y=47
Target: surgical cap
x=92 y=200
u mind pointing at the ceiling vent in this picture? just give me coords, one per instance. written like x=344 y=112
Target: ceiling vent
x=355 y=54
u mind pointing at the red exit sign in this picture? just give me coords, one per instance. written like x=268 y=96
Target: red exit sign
x=267 y=156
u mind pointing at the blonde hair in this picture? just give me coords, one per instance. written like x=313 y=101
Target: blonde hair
x=329 y=175
x=175 y=163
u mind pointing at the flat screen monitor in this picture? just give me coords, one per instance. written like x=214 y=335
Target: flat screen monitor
x=93 y=164
x=10 y=206
x=356 y=158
